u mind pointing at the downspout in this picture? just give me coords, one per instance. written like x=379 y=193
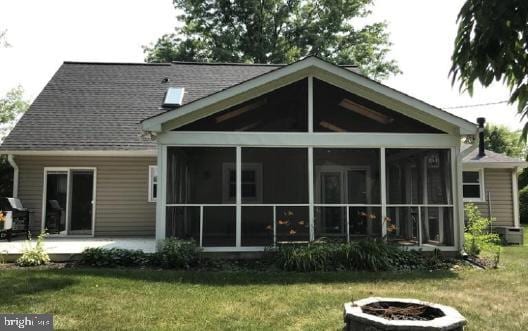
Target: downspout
x=11 y=160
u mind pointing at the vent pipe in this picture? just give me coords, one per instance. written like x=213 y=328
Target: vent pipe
x=482 y=147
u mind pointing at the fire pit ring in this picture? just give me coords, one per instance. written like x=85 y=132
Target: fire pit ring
x=367 y=314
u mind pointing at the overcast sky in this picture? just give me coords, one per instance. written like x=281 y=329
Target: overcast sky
x=43 y=34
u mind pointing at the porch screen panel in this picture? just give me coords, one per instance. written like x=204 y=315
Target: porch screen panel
x=282 y=110
x=418 y=176
x=347 y=193
x=200 y=175
x=183 y=223
x=403 y=225
x=219 y=226
x=419 y=196
x=292 y=224
x=257 y=226
x=278 y=179
x=438 y=227
x=337 y=110
x=202 y=178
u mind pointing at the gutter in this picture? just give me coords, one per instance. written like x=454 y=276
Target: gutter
x=11 y=160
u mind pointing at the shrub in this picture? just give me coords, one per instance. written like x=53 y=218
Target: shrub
x=367 y=255
x=114 y=257
x=175 y=253
x=477 y=236
x=523 y=205
x=34 y=256
x=172 y=253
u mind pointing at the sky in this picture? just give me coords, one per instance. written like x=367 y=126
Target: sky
x=43 y=34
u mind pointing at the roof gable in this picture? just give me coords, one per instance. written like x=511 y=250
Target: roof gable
x=310 y=66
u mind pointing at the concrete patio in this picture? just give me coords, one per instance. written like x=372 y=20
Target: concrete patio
x=62 y=249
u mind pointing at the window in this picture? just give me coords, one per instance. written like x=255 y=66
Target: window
x=153 y=183
x=472 y=185
x=251 y=182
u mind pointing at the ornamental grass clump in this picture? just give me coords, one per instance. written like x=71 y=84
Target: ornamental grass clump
x=34 y=256
x=365 y=255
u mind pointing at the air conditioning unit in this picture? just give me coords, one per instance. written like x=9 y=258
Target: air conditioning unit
x=510 y=234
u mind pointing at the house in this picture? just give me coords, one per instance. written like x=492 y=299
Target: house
x=244 y=156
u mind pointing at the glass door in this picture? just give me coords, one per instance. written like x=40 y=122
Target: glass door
x=56 y=202
x=69 y=201
x=333 y=220
x=81 y=197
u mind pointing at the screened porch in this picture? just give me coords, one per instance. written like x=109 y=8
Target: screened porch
x=248 y=198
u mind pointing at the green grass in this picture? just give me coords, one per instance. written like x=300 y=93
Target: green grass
x=101 y=299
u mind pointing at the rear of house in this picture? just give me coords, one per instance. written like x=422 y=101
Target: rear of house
x=240 y=157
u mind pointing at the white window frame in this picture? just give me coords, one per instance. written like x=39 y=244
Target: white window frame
x=152 y=169
x=227 y=167
x=480 y=184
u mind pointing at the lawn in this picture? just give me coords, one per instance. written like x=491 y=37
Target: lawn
x=100 y=299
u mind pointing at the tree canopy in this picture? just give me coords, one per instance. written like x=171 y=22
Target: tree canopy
x=492 y=45
x=500 y=139
x=277 y=31
x=3 y=39
x=12 y=105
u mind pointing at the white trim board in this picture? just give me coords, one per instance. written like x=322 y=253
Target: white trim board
x=116 y=153
x=300 y=139
x=497 y=165
x=310 y=66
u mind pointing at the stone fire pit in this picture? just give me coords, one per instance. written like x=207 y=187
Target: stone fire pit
x=374 y=314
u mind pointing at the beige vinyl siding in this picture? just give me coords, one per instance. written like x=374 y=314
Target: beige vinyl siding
x=122 y=207
x=499 y=183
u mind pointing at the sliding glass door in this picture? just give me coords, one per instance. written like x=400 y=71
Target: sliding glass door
x=68 y=207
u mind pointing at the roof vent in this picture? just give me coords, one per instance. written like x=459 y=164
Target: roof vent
x=173 y=97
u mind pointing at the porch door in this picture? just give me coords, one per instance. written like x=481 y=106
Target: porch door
x=69 y=201
x=358 y=193
x=81 y=212
x=332 y=192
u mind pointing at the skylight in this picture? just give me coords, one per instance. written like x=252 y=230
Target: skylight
x=173 y=97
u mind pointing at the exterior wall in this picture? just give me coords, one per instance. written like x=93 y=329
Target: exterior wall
x=122 y=207
x=499 y=183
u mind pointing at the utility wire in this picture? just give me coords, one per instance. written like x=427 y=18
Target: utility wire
x=477 y=105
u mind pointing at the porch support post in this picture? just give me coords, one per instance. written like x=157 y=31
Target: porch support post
x=311 y=193
x=310 y=103
x=383 y=193
x=458 y=212
x=161 y=222
x=238 y=196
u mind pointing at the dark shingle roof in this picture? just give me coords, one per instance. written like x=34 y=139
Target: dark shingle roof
x=98 y=106
x=490 y=157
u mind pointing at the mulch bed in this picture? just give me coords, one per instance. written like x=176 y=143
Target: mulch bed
x=402 y=311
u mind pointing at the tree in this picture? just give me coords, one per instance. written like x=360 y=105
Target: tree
x=491 y=45
x=12 y=105
x=3 y=40
x=500 y=139
x=276 y=31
